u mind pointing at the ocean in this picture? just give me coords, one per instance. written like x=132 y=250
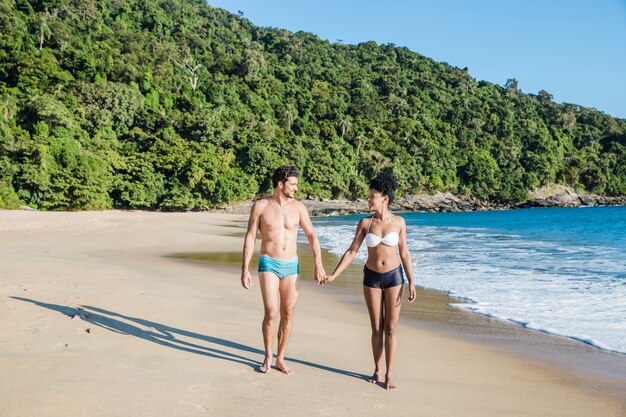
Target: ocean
x=556 y=270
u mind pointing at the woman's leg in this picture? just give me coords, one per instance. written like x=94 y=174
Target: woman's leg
x=392 y=304
x=374 y=302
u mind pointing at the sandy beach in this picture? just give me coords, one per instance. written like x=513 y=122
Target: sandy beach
x=97 y=319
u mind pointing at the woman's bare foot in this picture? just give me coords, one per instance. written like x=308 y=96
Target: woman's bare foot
x=374 y=378
x=283 y=368
x=389 y=385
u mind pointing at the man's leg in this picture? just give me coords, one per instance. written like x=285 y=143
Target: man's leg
x=289 y=288
x=269 y=284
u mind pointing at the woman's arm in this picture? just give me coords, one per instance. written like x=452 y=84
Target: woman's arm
x=349 y=255
x=405 y=258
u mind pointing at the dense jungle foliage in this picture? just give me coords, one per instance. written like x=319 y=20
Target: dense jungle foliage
x=175 y=105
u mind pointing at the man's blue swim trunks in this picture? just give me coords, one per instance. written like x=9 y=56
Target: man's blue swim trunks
x=280 y=267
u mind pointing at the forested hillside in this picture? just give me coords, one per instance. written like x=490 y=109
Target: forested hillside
x=175 y=105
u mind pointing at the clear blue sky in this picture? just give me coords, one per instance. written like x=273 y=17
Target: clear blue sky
x=574 y=49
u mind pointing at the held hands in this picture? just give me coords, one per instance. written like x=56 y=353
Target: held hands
x=327 y=279
x=320 y=274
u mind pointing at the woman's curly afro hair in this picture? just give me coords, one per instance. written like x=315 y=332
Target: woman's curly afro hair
x=386 y=183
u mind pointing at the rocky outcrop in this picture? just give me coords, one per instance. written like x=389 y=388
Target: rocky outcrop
x=440 y=202
x=560 y=196
x=554 y=196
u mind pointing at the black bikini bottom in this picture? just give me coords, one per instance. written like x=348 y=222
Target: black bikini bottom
x=382 y=280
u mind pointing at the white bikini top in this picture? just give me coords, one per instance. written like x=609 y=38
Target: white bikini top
x=390 y=239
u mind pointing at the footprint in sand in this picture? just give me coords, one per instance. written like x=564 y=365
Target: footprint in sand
x=198 y=407
x=379 y=406
x=367 y=392
x=196 y=388
x=88 y=330
x=238 y=372
x=327 y=411
x=257 y=383
x=60 y=346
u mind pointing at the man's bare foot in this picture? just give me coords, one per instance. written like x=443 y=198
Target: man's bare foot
x=374 y=378
x=265 y=367
x=283 y=368
x=389 y=385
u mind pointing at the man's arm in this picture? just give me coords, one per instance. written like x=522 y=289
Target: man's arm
x=309 y=232
x=248 y=243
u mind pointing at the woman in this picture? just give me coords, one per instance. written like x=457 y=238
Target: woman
x=385 y=237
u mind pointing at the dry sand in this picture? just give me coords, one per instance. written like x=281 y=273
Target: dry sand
x=95 y=320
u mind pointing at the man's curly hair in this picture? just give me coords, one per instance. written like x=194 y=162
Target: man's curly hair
x=386 y=183
x=281 y=174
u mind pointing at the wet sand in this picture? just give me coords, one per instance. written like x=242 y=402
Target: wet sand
x=570 y=359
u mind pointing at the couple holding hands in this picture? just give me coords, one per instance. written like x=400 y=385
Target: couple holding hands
x=278 y=218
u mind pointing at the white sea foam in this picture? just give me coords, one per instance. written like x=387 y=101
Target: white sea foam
x=578 y=291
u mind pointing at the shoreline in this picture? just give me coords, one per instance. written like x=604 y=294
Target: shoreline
x=96 y=319
x=604 y=370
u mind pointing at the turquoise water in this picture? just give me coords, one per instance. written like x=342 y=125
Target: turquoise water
x=558 y=270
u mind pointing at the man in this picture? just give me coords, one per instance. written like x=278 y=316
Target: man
x=278 y=217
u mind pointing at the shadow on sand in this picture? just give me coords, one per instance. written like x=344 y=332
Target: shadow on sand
x=171 y=337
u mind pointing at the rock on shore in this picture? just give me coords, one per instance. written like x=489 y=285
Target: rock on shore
x=560 y=196
x=549 y=196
